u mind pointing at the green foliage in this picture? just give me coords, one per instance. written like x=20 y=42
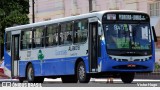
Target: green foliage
x=157 y=66
x=13 y=12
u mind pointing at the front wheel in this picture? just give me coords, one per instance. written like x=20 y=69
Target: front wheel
x=127 y=77
x=81 y=73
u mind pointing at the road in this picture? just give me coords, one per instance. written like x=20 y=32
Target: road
x=96 y=83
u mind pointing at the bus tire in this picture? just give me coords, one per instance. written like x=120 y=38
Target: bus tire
x=81 y=73
x=69 y=79
x=30 y=74
x=127 y=77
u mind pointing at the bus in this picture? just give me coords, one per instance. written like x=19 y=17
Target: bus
x=114 y=43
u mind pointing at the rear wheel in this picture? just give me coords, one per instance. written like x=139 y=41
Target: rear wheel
x=127 y=77
x=81 y=73
x=31 y=76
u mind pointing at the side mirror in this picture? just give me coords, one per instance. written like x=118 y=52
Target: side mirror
x=99 y=28
x=154 y=34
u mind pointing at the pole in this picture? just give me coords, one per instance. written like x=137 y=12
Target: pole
x=33 y=15
x=90 y=5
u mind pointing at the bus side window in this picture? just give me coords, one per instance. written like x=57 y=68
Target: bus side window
x=8 y=41
x=51 y=35
x=38 y=37
x=66 y=33
x=26 y=39
x=80 y=31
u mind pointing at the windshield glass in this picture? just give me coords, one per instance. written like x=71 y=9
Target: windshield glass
x=127 y=36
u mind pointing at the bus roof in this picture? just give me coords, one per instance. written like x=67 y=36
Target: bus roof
x=70 y=18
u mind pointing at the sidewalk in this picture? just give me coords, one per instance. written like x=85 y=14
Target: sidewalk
x=148 y=76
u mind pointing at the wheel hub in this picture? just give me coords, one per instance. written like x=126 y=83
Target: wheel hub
x=30 y=74
x=81 y=72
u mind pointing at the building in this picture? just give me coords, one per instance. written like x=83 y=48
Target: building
x=51 y=9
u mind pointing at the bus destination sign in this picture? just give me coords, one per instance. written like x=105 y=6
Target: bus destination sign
x=126 y=17
x=131 y=17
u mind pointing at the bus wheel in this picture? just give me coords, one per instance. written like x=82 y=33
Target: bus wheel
x=69 y=79
x=127 y=77
x=30 y=74
x=81 y=73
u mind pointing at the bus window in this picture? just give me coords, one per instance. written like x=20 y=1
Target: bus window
x=66 y=33
x=52 y=35
x=80 y=31
x=38 y=37
x=8 y=40
x=26 y=39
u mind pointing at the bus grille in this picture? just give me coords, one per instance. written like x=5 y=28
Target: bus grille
x=131 y=58
x=126 y=67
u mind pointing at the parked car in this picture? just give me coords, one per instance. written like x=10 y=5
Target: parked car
x=2 y=73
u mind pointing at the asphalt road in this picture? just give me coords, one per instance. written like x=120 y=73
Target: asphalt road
x=94 y=83
x=103 y=84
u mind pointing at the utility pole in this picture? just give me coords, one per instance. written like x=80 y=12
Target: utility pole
x=90 y=5
x=33 y=15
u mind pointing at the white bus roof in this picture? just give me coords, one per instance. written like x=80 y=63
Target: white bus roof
x=64 y=19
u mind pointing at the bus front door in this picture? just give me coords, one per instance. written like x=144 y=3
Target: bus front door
x=15 y=55
x=93 y=46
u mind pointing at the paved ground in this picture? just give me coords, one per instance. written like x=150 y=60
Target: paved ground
x=92 y=83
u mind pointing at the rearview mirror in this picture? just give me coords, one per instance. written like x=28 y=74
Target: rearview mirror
x=99 y=31
x=154 y=34
x=99 y=28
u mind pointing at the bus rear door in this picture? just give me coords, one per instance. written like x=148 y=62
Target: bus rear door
x=15 y=53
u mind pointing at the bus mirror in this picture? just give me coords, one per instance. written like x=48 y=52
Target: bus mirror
x=99 y=28
x=99 y=31
x=154 y=34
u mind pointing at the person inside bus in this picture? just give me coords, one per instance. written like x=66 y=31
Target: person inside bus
x=69 y=38
x=76 y=37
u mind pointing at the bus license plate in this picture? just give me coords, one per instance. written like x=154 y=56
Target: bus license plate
x=131 y=65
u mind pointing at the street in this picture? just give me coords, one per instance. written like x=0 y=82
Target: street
x=95 y=83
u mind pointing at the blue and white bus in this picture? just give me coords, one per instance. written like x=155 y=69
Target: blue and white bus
x=116 y=43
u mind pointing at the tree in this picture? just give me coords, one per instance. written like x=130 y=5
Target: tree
x=12 y=12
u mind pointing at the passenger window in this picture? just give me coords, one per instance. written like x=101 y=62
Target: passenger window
x=8 y=41
x=80 y=31
x=52 y=35
x=26 y=39
x=38 y=37
x=66 y=33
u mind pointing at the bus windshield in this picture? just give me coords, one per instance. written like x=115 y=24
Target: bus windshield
x=127 y=36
